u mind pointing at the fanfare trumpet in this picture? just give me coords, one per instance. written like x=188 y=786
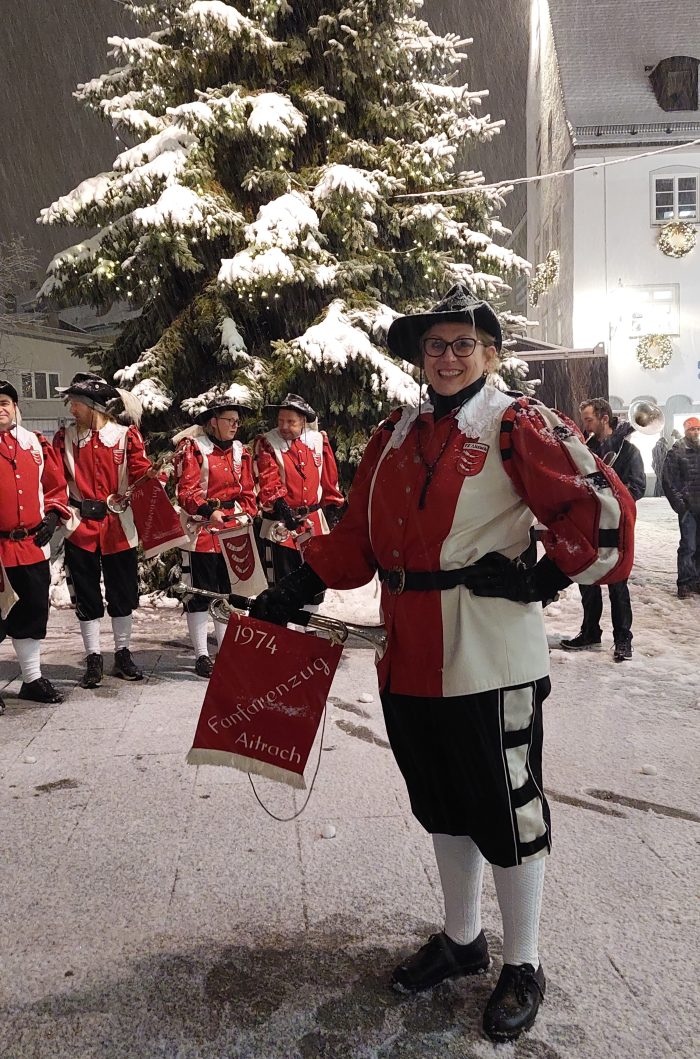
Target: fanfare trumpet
x=117 y=503
x=223 y=605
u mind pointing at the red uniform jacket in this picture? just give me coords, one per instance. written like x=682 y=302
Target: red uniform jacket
x=204 y=471
x=503 y=464
x=97 y=463
x=303 y=472
x=31 y=483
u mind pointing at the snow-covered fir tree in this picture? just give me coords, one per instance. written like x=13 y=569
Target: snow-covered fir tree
x=257 y=220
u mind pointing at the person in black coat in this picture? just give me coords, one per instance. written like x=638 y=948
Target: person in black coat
x=681 y=482
x=611 y=443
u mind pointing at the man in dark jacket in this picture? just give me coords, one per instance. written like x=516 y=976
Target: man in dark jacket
x=681 y=482
x=611 y=443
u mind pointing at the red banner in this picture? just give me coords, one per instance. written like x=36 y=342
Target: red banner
x=156 y=520
x=265 y=700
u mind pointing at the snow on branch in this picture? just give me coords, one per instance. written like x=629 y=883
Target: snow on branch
x=333 y=342
x=182 y=207
x=171 y=138
x=215 y=15
x=275 y=116
x=235 y=392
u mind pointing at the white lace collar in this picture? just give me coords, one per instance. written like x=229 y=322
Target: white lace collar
x=110 y=434
x=26 y=439
x=482 y=415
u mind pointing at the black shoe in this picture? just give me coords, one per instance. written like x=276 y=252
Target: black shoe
x=514 y=1003
x=203 y=666
x=92 y=677
x=124 y=665
x=438 y=959
x=685 y=591
x=41 y=690
x=622 y=651
x=580 y=643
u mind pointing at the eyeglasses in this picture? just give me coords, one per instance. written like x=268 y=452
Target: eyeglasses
x=225 y=419
x=461 y=347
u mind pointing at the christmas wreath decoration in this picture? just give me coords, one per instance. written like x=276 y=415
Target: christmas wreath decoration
x=677 y=239
x=654 y=351
x=546 y=273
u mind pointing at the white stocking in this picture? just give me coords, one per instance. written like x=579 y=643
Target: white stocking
x=519 y=892
x=28 y=656
x=121 y=628
x=197 y=624
x=220 y=628
x=461 y=868
x=90 y=632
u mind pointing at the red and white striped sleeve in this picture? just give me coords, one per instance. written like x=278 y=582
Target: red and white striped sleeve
x=589 y=514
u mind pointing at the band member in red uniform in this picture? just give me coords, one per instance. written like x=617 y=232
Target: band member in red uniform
x=441 y=506
x=33 y=499
x=101 y=457
x=215 y=484
x=297 y=485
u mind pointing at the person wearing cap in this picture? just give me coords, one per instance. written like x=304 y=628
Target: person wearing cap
x=33 y=500
x=681 y=484
x=297 y=485
x=214 y=475
x=101 y=456
x=441 y=506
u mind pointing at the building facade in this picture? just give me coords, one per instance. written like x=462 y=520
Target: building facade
x=607 y=91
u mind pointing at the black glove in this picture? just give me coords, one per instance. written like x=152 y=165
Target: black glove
x=280 y=603
x=47 y=528
x=333 y=514
x=496 y=576
x=283 y=513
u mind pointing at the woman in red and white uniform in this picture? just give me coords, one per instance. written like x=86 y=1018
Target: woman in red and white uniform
x=33 y=498
x=297 y=485
x=442 y=506
x=101 y=457
x=214 y=474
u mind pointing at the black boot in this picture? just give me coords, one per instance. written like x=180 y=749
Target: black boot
x=622 y=651
x=513 y=1005
x=438 y=959
x=203 y=666
x=40 y=690
x=124 y=665
x=92 y=677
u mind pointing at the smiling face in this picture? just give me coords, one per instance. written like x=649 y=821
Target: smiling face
x=7 y=412
x=448 y=374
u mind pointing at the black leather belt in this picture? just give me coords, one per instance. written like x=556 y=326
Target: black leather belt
x=304 y=511
x=18 y=534
x=398 y=580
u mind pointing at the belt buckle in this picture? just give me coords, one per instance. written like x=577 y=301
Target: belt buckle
x=19 y=534
x=395 y=580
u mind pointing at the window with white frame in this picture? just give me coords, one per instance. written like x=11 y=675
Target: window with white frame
x=674 y=195
x=40 y=385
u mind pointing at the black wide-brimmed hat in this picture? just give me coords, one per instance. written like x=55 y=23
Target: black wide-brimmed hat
x=459 y=304
x=8 y=390
x=90 y=388
x=294 y=403
x=216 y=407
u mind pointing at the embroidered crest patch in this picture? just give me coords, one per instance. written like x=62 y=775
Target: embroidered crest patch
x=472 y=458
x=118 y=455
x=318 y=459
x=36 y=457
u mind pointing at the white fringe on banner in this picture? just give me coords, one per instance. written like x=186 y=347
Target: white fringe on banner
x=197 y=756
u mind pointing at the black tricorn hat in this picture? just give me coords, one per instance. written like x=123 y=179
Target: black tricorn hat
x=458 y=304
x=295 y=403
x=8 y=390
x=91 y=388
x=216 y=407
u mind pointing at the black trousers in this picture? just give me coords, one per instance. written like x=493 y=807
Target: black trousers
x=620 y=611
x=205 y=570
x=120 y=573
x=28 y=618
x=473 y=766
